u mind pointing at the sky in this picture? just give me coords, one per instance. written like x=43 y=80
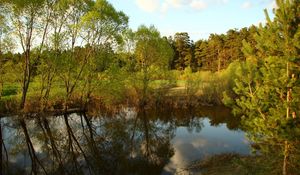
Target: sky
x=198 y=18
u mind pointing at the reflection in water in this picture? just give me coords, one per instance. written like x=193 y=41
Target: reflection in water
x=209 y=136
x=127 y=143
x=280 y=150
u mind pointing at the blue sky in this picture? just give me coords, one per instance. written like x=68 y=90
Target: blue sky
x=197 y=17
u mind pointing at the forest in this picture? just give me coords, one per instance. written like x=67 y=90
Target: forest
x=65 y=56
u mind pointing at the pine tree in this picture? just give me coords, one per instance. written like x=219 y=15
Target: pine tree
x=268 y=86
x=200 y=53
x=184 y=51
x=214 y=52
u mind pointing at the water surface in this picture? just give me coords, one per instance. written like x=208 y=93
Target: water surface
x=129 y=142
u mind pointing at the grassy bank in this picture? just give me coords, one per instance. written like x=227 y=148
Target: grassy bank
x=235 y=164
x=175 y=89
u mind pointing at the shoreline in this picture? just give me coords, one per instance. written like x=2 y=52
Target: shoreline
x=33 y=106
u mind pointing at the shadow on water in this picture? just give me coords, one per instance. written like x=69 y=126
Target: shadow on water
x=130 y=142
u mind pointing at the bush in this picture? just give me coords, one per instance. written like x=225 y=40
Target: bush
x=10 y=90
x=210 y=87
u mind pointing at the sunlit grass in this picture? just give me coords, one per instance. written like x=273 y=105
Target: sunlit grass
x=203 y=86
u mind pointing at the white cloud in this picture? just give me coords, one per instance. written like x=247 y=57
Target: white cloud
x=198 y=4
x=247 y=5
x=148 y=5
x=177 y=3
x=164 y=5
x=223 y=1
x=269 y=4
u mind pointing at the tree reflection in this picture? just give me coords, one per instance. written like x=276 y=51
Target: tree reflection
x=80 y=144
x=126 y=143
x=50 y=138
x=279 y=148
x=35 y=161
x=3 y=152
x=133 y=145
x=154 y=149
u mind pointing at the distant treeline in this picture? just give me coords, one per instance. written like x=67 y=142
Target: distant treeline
x=213 y=54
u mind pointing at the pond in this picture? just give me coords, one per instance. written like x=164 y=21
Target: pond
x=129 y=142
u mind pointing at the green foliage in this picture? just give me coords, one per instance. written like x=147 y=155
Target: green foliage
x=152 y=53
x=213 y=85
x=9 y=90
x=192 y=82
x=261 y=90
x=151 y=49
x=103 y=24
x=218 y=51
x=156 y=85
x=114 y=78
x=209 y=88
x=200 y=53
x=22 y=4
x=6 y=41
x=183 y=51
x=267 y=85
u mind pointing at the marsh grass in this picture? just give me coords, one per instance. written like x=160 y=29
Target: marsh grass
x=235 y=164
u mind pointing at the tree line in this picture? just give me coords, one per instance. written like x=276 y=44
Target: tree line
x=213 y=54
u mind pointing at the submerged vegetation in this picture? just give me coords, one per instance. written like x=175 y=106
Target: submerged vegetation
x=66 y=55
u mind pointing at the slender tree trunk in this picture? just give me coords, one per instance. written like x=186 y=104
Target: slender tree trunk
x=1 y=73
x=26 y=79
x=26 y=45
x=285 y=160
x=145 y=88
x=288 y=93
x=27 y=49
x=219 y=61
x=284 y=166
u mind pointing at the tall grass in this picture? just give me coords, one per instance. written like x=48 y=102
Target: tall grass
x=120 y=87
x=209 y=87
x=215 y=84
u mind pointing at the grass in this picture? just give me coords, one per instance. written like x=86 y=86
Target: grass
x=224 y=164
x=202 y=87
x=10 y=89
x=235 y=164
